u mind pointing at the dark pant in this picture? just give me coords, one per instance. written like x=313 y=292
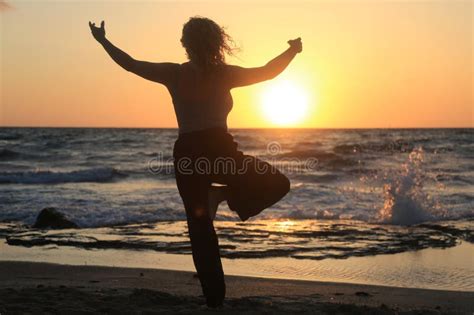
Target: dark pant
x=211 y=156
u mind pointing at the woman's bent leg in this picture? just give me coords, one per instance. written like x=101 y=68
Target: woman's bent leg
x=205 y=248
x=254 y=186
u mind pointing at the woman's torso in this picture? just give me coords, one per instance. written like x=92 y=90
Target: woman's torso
x=201 y=99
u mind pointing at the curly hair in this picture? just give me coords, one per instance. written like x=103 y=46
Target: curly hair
x=206 y=42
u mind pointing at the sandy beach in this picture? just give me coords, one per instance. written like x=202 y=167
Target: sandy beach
x=29 y=287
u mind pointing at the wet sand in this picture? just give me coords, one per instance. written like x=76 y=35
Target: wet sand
x=27 y=287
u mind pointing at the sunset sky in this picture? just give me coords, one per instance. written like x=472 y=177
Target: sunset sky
x=365 y=64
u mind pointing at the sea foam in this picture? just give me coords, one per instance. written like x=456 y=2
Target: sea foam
x=53 y=177
x=405 y=202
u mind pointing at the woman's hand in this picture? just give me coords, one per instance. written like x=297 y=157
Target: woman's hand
x=296 y=44
x=98 y=32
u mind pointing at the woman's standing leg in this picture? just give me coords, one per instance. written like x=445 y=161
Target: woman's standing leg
x=205 y=248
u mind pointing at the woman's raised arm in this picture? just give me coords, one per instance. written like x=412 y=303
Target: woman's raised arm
x=158 y=72
x=239 y=76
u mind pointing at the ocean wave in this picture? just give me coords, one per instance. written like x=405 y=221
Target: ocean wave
x=307 y=144
x=406 y=218
x=311 y=153
x=453 y=178
x=51 y=177
x=405 y=200
x=388 y=146
x=316 y=178
x=11 y=155
x=6 y=154
x=9 y=137
x=400 y=146
x=328 y=159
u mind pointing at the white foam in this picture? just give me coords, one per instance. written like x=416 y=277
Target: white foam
x=405 y=201
x=54 y=177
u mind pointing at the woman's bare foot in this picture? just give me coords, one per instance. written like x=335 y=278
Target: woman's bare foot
x=216 y=195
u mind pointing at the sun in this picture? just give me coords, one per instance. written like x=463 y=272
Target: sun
x=284 y=103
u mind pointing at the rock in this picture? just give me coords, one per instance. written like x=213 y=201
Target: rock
x=53 y=219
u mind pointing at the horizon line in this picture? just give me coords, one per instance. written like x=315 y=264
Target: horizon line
x=231 y=128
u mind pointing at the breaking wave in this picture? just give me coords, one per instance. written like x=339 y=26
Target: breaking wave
x=405 y=201
x=51 y=177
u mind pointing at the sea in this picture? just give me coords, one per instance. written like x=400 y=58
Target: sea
x=354 y=192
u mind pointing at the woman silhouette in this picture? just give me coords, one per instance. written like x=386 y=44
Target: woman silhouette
x=205 y=152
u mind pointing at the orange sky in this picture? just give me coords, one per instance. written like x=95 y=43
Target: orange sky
x=365 y=63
